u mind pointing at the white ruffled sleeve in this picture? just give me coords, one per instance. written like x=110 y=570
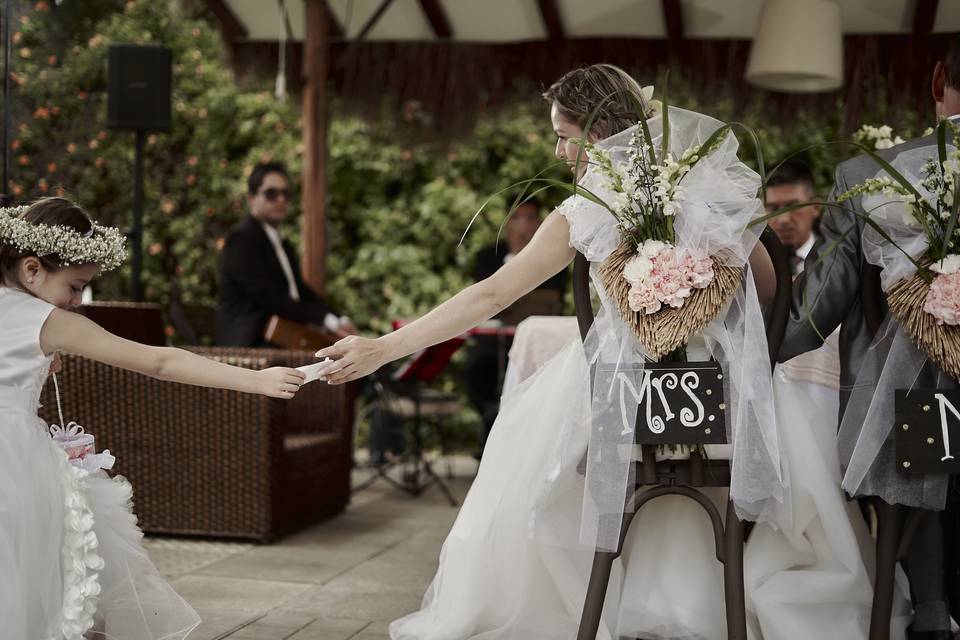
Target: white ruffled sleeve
x=593 y=229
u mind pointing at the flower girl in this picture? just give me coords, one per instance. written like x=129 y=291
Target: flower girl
x=71 y=561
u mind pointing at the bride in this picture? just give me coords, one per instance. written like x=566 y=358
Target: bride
x=516 y=562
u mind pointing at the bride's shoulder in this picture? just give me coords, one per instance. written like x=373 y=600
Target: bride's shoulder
x=593 y=229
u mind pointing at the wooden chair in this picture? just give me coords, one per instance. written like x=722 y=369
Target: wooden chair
x=896 y=523
x=685 y=477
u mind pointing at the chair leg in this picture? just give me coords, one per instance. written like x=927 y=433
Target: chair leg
x=596 y=594
x=889 y=526
x=733 y=590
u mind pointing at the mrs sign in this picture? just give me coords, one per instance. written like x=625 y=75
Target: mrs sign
x=679 y=403
x=927 y=421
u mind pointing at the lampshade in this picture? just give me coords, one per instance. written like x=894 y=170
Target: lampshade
x=798 y=47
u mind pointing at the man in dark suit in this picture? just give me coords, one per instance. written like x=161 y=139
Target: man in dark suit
x=830 y=285
x=790 y=184
x=260 y=272
x=482 y=369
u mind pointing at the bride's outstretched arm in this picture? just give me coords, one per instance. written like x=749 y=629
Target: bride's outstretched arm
x=547 y=253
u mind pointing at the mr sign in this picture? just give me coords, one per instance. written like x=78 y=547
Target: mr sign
x=927 y=422
x=679 y=403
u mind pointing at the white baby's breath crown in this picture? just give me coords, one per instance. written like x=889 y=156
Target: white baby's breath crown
x=104 y=246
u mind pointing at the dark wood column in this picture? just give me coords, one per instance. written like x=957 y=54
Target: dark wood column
x=316 y=63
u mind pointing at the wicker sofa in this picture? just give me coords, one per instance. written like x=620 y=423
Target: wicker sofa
x=216 y=463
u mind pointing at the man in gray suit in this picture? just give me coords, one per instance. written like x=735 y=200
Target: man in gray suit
x=827 y=295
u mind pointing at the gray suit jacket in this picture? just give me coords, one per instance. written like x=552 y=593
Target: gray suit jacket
x=827 y=293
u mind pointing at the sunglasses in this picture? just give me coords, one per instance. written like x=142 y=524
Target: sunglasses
x=272 y=194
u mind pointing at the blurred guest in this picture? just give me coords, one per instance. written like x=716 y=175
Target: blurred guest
x=790 y=184
x=487 y=354
x=260 y=272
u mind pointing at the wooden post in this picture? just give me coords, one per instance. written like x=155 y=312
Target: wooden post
x=316 y=63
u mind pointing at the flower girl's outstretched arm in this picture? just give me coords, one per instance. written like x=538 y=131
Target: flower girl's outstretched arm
x=546 y=254
x=73 y=333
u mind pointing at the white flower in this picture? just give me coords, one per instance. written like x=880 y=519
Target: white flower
x=637 y=269
x=949 y=265
x=650 y=249
x=620 y=201
x=884 y=143
x=104 y=246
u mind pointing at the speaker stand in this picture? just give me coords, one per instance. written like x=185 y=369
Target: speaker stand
x=136 y=231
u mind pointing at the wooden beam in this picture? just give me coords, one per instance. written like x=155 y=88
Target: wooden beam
x=364 y=31
x=552 y=21
x=924 y=16
x=437 y=18
x=233 y=29
x=316 y=65
x=334 y=30
x=673 y=20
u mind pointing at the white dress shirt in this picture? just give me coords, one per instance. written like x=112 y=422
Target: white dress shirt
x=800 y=255
x=277 y=243
x=331 y=322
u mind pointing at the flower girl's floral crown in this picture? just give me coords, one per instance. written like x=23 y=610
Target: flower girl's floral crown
x=104 y=246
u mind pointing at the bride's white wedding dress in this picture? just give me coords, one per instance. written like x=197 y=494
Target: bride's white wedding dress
x=70 y=551
x=513 y=566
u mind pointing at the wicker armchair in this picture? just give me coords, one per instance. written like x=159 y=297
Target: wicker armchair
x=217 y=463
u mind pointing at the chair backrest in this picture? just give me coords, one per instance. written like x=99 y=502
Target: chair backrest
x=775 y=317
x=138 y=321
x=871 y=296
x=581 y=294
x=778 y=312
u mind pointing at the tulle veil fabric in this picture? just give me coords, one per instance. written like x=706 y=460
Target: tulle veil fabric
x=892 y=362
x=721 y=198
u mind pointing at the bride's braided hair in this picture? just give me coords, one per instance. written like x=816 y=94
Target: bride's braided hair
x=578 y=93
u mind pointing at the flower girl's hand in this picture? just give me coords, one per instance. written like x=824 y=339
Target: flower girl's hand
x=354 y=357
x=56 y=365
x=280 y=382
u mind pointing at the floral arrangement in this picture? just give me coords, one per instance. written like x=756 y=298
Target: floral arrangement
x=104 y=246
x=879 y=138
x=928 y=303
x=665 y=293
x=661 y=275
x=647 y=197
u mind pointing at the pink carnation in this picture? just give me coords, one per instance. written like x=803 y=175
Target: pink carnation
x=943 y=299
x=644 y=298
x=699 y=271
x=672 y=277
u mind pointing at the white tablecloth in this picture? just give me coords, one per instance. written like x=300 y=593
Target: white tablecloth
x=538 y=339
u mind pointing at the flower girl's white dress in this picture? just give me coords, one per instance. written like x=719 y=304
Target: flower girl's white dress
x=515 y=565
x=70 y=549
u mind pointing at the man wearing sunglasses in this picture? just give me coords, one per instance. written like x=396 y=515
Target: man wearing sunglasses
x=260 y=273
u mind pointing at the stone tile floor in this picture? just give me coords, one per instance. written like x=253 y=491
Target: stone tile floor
x=343 y=579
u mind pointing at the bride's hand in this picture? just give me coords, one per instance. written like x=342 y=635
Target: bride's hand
x=354 y=357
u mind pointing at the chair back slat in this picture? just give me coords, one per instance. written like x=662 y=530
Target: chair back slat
x=871 y=296
x=581 y=294
x=779 y=310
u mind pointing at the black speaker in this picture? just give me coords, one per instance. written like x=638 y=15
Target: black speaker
x=138 y=90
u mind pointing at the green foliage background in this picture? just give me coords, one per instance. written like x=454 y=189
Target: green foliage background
x=398 y=206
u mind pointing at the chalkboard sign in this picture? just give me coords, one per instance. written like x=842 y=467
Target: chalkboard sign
x=927 y=423
x=681 y=403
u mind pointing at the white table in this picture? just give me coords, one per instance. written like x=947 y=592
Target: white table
x=538 y=338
